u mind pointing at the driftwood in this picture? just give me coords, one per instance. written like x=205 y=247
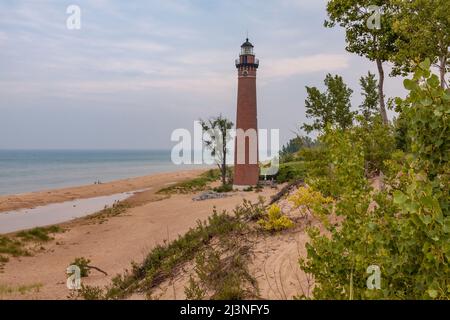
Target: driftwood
x=286 y=190
x=98 y=269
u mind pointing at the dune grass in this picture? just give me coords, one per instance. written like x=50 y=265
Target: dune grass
x=15 y=245
x=165 y=258
x=8 y=290
x=39 y=234
x=193 y=185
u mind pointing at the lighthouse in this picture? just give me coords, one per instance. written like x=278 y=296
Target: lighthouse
x=246 y=168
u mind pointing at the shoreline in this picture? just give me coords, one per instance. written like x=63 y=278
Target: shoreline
x=151 y=183
x=112 y=243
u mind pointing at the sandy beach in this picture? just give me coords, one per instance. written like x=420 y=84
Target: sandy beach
x=40 y=198
x=113 y=243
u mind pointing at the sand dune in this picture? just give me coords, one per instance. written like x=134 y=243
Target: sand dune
x=113 y=244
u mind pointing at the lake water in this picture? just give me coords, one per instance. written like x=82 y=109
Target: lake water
x=56 y=212
x=33 y=170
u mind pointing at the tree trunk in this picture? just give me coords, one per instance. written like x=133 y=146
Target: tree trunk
x=381 y=92
x=224 y=158
x=442 y=70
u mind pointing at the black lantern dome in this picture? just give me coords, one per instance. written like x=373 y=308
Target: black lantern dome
x=246 y=48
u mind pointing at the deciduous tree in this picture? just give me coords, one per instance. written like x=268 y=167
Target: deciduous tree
x=424 y=32
x=364 y=35
x=331 y=107
x=219 y=136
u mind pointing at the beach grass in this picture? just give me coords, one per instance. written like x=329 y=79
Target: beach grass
x=12 y=247
x=39 y=234
x=165 y=258
x=193 y=185
x=8 y=290
x=15 y=245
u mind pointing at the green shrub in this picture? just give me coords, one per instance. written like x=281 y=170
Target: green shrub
x=407 y=232
x=339 y=165
x=377 y=141
x=291 y=171
x=160 y=262
x=91 y=293
x=224 y=188
x=275 y=220
x=83 y=264
x=249 y=211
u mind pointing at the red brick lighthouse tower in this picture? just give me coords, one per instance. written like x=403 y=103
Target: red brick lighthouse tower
x=246 y=168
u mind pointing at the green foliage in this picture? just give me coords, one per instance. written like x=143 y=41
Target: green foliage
x=39 y=234
x=194 y=290
x=426 y=111
x=329 y=108
x=353 y=15
x=294 y=145
x=275 y=220
x=369 y=107
x=423 y=27
x=12 y=247
x=160 y=262
x=378 y=143
x=83 y=264
x=91 y=292
x=116 y=209
x=249 y=211
x=219 y=136
x=224 y=188
x=223 y=273
x=340 y=165
x=8 y=290
x=404 y=228
x=291 y=171
x=402 y=142
x=16 y=245
x=193 y=185
x=311 y=200
x=370 y=144
x=376 y=44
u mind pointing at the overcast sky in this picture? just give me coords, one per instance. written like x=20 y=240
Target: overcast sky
x=137 y=70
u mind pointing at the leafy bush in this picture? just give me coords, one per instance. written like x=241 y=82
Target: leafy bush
x=405 y=228
x=311 y=200
x=289 y=151
x=291 y=171
x=275 y=220
x=249 y=211
x=83 y=264
x=91 y=292
x=339 y=166
x=224 y=188
x=377 y=141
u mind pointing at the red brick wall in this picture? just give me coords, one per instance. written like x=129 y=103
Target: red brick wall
x=246 y=174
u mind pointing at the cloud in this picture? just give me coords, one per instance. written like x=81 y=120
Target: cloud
x=305 y=4
x=287 y=67
x=3 y=38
